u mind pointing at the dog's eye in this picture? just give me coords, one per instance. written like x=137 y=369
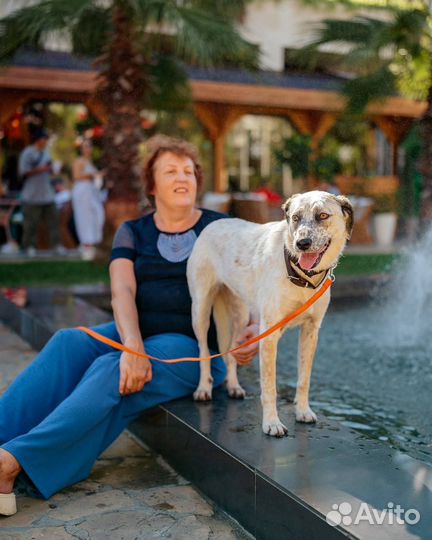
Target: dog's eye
x=295 y=218
x=322 y=216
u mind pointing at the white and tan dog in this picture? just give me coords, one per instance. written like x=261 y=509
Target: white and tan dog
x=242 y=270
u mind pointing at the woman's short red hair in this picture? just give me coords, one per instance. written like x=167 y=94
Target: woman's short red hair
x=161 y=144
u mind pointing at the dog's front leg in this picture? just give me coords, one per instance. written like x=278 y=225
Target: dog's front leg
x=307 y=347
x=205 y=386
x=268 y=351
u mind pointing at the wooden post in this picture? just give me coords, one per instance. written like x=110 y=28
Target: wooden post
x=220 y=178
x=217 y=120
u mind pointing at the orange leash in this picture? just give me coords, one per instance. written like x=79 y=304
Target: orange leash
x=326 y=285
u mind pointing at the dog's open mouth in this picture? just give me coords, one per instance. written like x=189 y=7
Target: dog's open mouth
x=308 y=261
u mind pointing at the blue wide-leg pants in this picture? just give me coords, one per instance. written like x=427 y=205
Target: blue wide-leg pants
x=62 y=411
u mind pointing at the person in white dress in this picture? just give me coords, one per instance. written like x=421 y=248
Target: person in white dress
x=88 y=209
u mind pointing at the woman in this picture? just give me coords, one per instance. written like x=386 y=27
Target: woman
x=88 y=210
x=79 y=394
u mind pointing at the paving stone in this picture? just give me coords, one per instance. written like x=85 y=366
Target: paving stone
x=15 y=355
x=176 y=499
x=45 y=533
x=91 y=504
x=130 y=525
x=29 y=511
x=222 y=528
x=132 y=472
x=82 y=488
x=189 y=528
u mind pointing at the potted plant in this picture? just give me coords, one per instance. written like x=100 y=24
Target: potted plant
x=385 y=218
x=295 y=152
x=325 y=168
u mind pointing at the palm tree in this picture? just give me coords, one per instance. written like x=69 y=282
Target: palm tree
x=138 y=44
x=390 y=54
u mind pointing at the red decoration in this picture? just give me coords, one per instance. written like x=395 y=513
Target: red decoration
x=14 y=127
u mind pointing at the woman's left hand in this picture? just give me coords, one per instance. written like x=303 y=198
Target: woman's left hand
x=246 y=354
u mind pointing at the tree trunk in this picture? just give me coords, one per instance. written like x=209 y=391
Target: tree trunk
x=122 y=86
x=425 y=162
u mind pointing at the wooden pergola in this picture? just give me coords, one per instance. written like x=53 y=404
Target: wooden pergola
x=218 y=105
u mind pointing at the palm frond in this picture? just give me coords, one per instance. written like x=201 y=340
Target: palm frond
x=355 y=31
x=200 y=37
x=226 y=9
x=360 y=91
x=91 y=30
x=209 y=40
x=169 y=89
x=29 y=25
x=407 y=30
x=413 y=75
x=356 y=39
x=381 y=52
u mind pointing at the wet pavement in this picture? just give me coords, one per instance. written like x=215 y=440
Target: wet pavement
x=131 y=494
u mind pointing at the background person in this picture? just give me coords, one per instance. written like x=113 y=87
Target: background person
x=88 y=210
x=79 y=394
x=38 y=195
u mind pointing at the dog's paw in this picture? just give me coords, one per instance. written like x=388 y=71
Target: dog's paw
x=275 y=429
x=236 y=392
x=202 y=394
x=306 y=415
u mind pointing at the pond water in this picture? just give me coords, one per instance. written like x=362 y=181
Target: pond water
x=366 y=379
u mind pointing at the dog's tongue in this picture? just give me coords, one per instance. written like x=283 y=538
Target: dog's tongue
x=307 y=260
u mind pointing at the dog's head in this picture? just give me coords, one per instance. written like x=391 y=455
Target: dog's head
x=319 y=224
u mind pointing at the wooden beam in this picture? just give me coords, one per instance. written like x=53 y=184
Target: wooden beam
x=60 y=80
x=217 y=119
x=302 y=120
x=247 y=95
x=395 y=129
x=295 y=99
x=325 y=122
x=264 y=96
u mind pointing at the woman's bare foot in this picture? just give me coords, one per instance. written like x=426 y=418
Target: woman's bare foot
x=9 y=470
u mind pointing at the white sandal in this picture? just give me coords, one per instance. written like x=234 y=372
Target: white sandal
x=7 y=504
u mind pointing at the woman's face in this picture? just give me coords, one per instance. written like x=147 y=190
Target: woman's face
x=175 y=181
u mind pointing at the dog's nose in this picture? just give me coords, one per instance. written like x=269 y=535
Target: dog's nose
x=304 y=244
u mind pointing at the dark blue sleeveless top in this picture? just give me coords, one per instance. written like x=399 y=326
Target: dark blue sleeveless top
x=162 y=298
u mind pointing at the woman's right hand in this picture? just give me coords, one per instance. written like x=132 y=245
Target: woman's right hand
x=135 y=372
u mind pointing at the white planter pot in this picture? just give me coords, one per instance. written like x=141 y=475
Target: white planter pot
x=384 y=228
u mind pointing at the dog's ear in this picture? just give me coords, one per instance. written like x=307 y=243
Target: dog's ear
x=286 y=205
x=348 y=212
